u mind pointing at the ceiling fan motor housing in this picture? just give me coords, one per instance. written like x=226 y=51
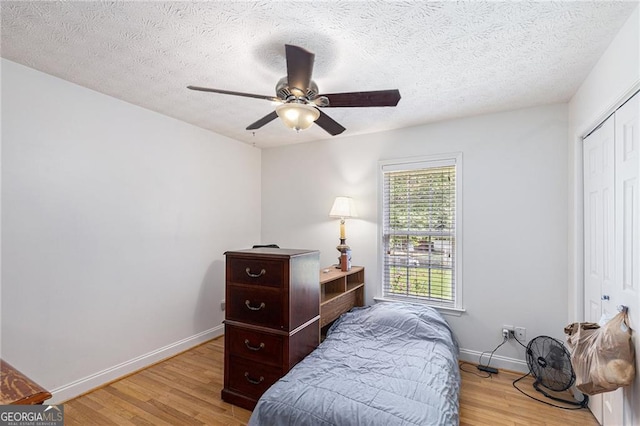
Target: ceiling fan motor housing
x=287 y=94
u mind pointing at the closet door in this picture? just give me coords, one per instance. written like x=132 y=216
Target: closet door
x=612 y=242
x=599 y=263
x=626 y=290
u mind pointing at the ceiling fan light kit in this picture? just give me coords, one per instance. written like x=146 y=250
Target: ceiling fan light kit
x=297 y=116
x=300 y=100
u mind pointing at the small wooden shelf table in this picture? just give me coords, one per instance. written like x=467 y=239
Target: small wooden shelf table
x=339 y=292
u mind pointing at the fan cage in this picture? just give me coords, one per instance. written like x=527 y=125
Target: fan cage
x=550 y=363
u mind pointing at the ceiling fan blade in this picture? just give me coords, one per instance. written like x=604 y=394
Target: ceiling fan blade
x=377 y=98
x=329 y=124
x=264 y=120
x=228 y=92
x=299 y=68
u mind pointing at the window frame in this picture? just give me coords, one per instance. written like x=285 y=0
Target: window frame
x=419 y=163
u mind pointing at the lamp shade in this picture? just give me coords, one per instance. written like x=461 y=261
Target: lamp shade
x=343 y=207
x=297 y=116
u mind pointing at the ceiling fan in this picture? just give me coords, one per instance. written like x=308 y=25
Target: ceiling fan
x=300 y=101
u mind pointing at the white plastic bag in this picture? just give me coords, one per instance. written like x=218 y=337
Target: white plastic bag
x=602 y=357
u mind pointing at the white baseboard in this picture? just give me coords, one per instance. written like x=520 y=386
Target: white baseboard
x=93 y=381
x=497 y=361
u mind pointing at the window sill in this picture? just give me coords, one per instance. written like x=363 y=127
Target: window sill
x=445 y=310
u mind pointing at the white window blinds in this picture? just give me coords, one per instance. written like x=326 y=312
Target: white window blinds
x=419 y=231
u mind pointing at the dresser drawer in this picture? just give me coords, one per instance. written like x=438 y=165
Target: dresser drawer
x=251 y=379
x=254 y=345
x=259 y=306
x=264 y=272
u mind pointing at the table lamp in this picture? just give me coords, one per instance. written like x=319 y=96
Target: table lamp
x=343 y=207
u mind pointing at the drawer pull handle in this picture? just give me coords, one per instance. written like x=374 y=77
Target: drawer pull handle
x=253 y=348
x=262 y=272
x=248 y=303
x=253 y=381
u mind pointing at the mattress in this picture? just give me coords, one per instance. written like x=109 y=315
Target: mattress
x=386 y=364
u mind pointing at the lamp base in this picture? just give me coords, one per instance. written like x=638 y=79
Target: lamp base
x=344 y=261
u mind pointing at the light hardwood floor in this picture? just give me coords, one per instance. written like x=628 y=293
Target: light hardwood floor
x=185 y=390
x=495 y=402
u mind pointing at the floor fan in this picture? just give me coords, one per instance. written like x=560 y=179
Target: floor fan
x=549 y=363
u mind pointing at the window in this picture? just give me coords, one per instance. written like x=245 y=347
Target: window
x=421 y=230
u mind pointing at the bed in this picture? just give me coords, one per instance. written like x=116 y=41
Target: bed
x=385 y=364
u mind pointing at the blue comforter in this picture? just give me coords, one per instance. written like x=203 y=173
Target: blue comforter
x=386 y=364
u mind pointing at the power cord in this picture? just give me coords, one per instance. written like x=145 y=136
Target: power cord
x=490 y=371
x=516 y=339
x=473 y=370
x=504 y=340
x=578 y=405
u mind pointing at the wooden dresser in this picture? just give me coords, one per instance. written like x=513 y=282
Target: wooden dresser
x=272 y=318
x=16 y=388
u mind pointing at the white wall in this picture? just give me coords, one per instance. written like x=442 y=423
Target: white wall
x=611 y=81
x=514 y=214
x=114 y=224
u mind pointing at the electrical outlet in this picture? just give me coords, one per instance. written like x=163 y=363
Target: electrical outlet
x=222 y=305
x=521 y=334
x=507 y=331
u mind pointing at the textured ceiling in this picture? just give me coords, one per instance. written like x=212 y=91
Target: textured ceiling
x=448 y=59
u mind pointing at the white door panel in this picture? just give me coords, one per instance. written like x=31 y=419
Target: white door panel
x=627 y=210
x=599 y=190
x=598 y=228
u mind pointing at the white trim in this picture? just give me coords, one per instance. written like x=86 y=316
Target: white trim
x=421 y=159
x=100 y=378
x=497 y=361
x=578 y=234
x=417 y=163
x=621 y=100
